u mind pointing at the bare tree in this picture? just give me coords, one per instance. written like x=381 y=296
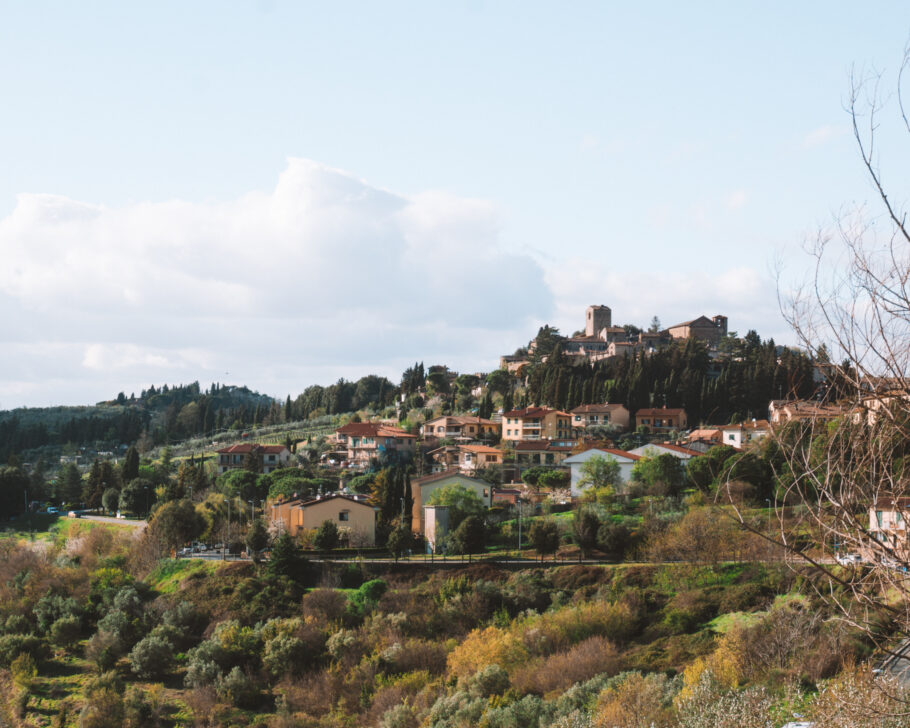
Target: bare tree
x=848 y=460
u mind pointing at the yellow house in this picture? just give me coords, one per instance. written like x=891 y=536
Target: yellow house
x=356 y=519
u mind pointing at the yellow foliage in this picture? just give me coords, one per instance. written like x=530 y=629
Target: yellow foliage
x=482 y=647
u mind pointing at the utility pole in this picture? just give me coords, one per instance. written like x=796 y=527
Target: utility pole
x=518 y=503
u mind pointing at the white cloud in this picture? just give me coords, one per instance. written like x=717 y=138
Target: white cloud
x=324 y=273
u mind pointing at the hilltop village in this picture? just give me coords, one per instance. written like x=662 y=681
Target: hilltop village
x=587 y=527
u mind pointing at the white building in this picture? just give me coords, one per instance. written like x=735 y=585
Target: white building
x=624 y=459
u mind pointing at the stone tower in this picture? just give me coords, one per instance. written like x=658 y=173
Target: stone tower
x=597 y=318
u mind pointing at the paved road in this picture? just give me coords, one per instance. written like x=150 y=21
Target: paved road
x=898 y=664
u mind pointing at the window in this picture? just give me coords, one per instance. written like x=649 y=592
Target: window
x=344 y=516
x=731 y=436
x=878 y=517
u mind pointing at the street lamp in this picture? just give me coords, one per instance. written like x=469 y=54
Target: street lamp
x=518 y=503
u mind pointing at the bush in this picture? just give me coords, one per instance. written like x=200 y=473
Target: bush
x=327 y=536
x=13 y=645
x=18 y=624
x=594 y=656
x=237 y=688
x=327 y=604
x=283 y=655
x=65 y=632
x=52 y=607
x=151 y=658
x=24 y=670
x=104 y=649
x=488 y=681
x=470 y=537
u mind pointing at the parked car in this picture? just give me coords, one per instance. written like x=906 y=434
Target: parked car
x=74 y=514
x=847 y=559
x=53 y=510
x=185 y=551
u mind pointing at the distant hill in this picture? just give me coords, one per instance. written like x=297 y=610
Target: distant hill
x=162 y=414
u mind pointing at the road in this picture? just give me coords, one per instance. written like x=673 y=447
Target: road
x=898 y=664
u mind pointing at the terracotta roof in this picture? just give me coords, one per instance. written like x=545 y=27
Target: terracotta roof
x=461 y=420
x=704 y=434
x=247 y=447
x=481 y=449
x=583 y=408
x=652 y=411
x=750 y=425
x=529 y=412
x=611 y=451
x=372 y=429
x=314 y=501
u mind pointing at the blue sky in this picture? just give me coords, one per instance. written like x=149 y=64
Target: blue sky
x=277 y=193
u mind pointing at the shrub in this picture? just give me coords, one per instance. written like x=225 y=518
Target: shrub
x=283 y=655
x=483 y=647
x=201 y=673
x=52 y=607
x=13 y=645
x=328 y=604
x=594 y=656
x=24 y=670
x=104 y=649
x=65 y=632
x=401 y=716
x=18 y=624
x=636 y=702
x=544 y=537
x=151 y=658
x=488 y=681
x=237 y=688
x=327 y=536
x=414 y=656
x=102 y=709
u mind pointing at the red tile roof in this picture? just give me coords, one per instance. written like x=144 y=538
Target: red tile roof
x=481 y=449
x=652 y=411
x=247 y=447
x=582 y=409
x=372 y=429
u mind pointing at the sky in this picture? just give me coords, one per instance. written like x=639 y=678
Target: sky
x=279 y=194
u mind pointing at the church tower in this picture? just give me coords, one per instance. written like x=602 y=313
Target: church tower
x=596 y=319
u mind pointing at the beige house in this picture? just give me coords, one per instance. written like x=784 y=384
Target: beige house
x=661 y=419
x=536 y=423
x=363 y=441
x=423 y=488
x=588 y=415
x=460 y=427
x=781 y=412
x=356 y=519
x=540 y=452
x=471 y=457
x=709 y=330
x=271 y=457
